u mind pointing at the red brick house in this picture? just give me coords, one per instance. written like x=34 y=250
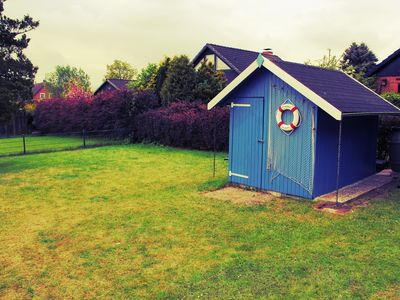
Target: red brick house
x=39 y=92
x=388 y=73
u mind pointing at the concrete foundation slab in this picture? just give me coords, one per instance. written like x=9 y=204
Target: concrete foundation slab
x=360 y=188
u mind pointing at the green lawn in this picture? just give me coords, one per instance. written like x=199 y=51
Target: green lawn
x=129 y=222
x=12 y=146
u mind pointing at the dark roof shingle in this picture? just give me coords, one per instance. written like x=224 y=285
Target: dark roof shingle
x=344 y=93
x=235 y=58
x=383 y=63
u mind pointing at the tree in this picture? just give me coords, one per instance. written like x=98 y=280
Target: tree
x=120 y=70
x=144 y=78
x=158 y=78
x=329 y=61
x=16 y=70
x=60 y=82
x=179 y=82
x=356 y=61
x=208 y=82
x=359 y=57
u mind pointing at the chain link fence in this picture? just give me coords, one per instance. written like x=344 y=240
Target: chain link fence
x=41 y=143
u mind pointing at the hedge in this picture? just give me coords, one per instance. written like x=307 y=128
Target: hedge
x=184 y=125
x=137 y=113
x=105 y=111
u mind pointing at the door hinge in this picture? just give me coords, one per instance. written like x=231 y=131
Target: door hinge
x=238 y=175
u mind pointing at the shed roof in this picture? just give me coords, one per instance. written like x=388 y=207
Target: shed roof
x=384 y=63
x=333 y=91
x=237 y=59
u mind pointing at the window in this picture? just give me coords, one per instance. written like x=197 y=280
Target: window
x=209 y=58
x=42 y=96
x=220 y=65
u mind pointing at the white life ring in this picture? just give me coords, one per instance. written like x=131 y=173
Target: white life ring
x=296 y=117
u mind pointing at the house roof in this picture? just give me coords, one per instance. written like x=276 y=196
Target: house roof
x=384 y=63
x=237 y=59
x=37 y=87
x=333 y=91
x=118 y=84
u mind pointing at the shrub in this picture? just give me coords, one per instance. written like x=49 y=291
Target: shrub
x=384 y=135
x=393 y=98
x=186 y=125
x=385 y=127
x=105 y=111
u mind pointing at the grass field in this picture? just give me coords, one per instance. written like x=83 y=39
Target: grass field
x=130 y=222
x=15 y=146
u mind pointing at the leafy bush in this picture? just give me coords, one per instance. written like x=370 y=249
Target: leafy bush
x=105 y=111
x=385 y=127
x=393 y=98
x=186 y=125
x=384 y=135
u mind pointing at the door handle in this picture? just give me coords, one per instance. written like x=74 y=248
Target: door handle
x=261 y=141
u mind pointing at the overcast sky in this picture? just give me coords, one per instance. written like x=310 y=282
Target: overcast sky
x=92 y=33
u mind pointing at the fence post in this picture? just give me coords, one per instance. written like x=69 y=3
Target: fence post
x=84 y=138
x=24 y=143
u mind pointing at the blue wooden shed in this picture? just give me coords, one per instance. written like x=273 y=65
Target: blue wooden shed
x=300 y=130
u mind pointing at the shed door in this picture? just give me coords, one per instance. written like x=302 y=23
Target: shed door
x=246 y=141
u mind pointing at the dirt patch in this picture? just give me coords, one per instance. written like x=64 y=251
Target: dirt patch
x=241 y=196
x=332 y=208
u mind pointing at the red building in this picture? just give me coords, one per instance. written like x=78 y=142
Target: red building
x=388 y=74
x=39 y=92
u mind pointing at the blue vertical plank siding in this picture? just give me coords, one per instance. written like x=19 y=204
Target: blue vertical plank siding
x=290 y=159
x=294 y=152
x=358 y=151
x=245 y=148
x=303 y=163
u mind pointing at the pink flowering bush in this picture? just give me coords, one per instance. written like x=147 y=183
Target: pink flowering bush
x=137 y=115
x=105 y=111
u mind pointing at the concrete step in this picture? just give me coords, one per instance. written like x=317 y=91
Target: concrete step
x=360 y=188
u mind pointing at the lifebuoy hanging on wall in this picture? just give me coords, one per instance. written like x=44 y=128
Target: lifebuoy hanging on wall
x=296 y=117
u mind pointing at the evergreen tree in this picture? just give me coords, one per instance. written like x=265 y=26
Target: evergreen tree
x=16 y=70
x=158 y=78
x=208 y=82
x=179 y=82
x=359 y=57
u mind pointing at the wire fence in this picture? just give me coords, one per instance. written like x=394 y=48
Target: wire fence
x=40 y=143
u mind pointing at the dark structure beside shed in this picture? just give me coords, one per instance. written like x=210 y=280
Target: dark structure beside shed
x=388 y=73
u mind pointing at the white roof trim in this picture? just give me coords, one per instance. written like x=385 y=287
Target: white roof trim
x=293 y=82
x=231 y=86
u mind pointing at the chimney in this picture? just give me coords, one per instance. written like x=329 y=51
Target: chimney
x=267 y=51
